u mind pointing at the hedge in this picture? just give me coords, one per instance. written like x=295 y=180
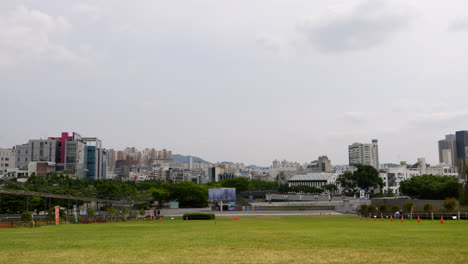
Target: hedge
x=198 y=216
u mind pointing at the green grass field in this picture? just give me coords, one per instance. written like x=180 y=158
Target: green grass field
x=252 y=239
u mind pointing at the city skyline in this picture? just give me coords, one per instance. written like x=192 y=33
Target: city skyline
x=237 y=81
x=372 y=156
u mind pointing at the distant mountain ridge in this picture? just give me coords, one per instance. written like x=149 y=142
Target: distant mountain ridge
x=184 y=159
x=257 y=167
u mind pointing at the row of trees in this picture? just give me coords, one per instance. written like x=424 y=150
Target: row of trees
x=430 y=187
x=450 y=204
x=187 y=193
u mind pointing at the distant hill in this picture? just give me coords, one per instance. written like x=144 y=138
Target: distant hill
x=184 y=159
x=256 y=167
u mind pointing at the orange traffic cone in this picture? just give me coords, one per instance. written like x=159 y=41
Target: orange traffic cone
x=383 y=219
x=402 y=219
x=186 y=219
x=419 y=220
x=441 y=219
x=160 y=219
x=375 y=219
x=391 y=218
x=360 y=218
x=368 y=218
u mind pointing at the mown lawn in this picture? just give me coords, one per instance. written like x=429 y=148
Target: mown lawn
x=252 y=239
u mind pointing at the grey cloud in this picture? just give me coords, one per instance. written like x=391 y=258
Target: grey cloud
x=459 y=25
x=367 y=25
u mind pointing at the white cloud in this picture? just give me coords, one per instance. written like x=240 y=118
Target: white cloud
x=364 y=26
x=29 y=36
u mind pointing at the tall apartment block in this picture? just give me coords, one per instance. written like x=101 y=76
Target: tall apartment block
x=367 y=154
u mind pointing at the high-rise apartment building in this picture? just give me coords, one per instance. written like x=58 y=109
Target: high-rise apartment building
x=366 y=154
x=448 y=151
x=165 y=154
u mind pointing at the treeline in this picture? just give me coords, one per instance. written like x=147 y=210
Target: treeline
x=430 y=187
x=188 y=194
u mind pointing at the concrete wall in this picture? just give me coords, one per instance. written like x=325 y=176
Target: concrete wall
x=437 y=204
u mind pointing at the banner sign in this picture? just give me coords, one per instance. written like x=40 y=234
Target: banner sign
x=83 y=211
x=222 y=194
x=57 y=215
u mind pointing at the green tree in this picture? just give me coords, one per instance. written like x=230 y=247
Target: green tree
x=262 y=185
x=125 y=213
x=372 y=209
x=395 y=208
x=91 y=213
x=383 y=208
x=450 y=204
x=430 y=187
x=367 y=176
x=330 y=187
x=240 y=183
x=142 y=212
x=283 y=188
x=364 y=177
x=408 y=205
x=26 y=217
x=348 y=182
x=364 y=209
x=189 y=194
x=159 y=194
x=428 y=208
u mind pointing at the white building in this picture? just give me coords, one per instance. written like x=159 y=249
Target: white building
x=284 y=170
x=394 y=176
x=313 y=179
x=7 y=160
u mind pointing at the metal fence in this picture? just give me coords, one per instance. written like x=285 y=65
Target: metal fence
x=424 y=216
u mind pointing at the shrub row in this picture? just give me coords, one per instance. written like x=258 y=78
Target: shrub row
x=198 y=216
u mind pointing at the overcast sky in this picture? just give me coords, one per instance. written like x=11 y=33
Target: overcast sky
x=246 y=81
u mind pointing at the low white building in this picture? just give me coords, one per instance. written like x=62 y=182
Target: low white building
x=313 y=179
x=394 y=176
x=7 y=160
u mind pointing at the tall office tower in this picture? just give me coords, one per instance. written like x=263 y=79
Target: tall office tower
x=190 y=162
x=375 y=153
x=367 y=154
x=461 y=138
x=94 y=159
x=448 y=150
